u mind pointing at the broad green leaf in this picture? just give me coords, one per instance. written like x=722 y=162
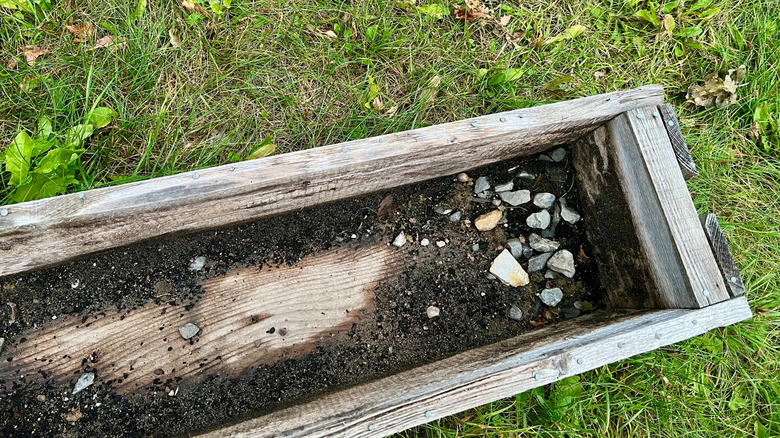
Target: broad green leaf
x=371 y=32
x=760 y=430
x=49 y=162
x=77 y=134
x=649 y=16
x=435 y=11
x=669 y=23
x=508 y=75
x=678 y=51
x=41 y=145
x=44 y=186
x=571 y=32
x=553 y=84
x=18 y=158
x=690 y=32
x=701 y=4
x=262 y=151
x=709 y=13
x=16 y=4
x=101 y=116
x=44 y=127
x=761 y=116
x=669 y=7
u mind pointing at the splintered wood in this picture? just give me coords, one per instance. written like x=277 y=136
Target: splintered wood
x=247 y=318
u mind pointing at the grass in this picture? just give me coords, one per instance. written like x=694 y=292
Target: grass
x=272 y=69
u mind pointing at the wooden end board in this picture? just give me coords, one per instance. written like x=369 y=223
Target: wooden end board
x=50 y=231
x=720 y=248
x=486 y=374
x=672 y=125
x=650 y=247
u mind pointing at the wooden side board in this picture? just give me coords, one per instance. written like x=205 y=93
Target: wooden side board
x=681 y=152
x=486 y=374
x=50 y=231
x=720 y=248
x=650 y=247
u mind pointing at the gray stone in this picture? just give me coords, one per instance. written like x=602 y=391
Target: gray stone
x=400 y=240
x=530 y=177
x=84 y=381
x=515 y=313
x=481 y=185
x=2 y=341
x=515 y=247
x=455 y=217
x=479 y=200
x=556 y=219
x=463 y=177
x=551 y=297
x=562 y=262
x=432 y=311
x=544 y=200
x=506 y=269
x=484 y=195
x=558 y=155
x=515 y=198
x=538 y=220
x=441 y=210
x=552 y=275
x=567 y=213
x=496 y=202
x=188 y=330
x=541 y=244
x=198 y=263
x=536 y=263
x=475 y=247
x=544 y=157
x=527 y=251
x=504 y=187
x=425 y=242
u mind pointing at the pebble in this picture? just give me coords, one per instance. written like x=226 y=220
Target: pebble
x=399 y=240
x=2 y=341
x=425 y=242
x=463 y=177
x=515 y=313
x=527 y=251
x=571 y=312
x=481 y=185
x=504 y=187
x=539 y=220
x=475 y=247
x=552 y=275
x=432 y=311
x=496 y=202
x=488 y=221
x=567 y=213
x=506 y=269
x=530 y=177
x=188 y=330
x=515 y=247
x=198 y=263
x=455 y=217
x=544 y=157
x=558 y=155
x=536 y=263
x=562 y=262
x=84 y=381
x=515 y=198
x=551 y=297
x=440 y=243
x=541 y=244
x=441 y=210
x=544 y=200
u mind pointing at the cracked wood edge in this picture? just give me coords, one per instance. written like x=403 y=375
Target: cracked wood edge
x=720 y=248
x=489 y=373
x=681 y=152
x=50 y=231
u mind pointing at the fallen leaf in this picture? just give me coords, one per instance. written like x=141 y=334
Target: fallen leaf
x=717 y=91
x=110 y=43
x=82 y=33
x=11 y=63
x=73 y=416
x=330 y=34
x=386 y=208
x=428 y=95
x=668 y=24
x=192 y=7
x=599 y=75
x=435 y=11
x=377 y=103
x=31 y=53
x=504 y=20
x=465 y=14
x=571 y=32
x=175 y=41
x=582 y=257
x=263 y=151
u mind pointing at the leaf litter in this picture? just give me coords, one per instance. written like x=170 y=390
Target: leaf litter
x=716 y=91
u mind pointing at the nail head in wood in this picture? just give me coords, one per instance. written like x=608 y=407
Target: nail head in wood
x=4 y=212
x=231 y=168
x=502 y=119
x=344 y=149
x=474 y=124
x=195 y=176
x=579 y=361
x=81 y=196
x=428 y=414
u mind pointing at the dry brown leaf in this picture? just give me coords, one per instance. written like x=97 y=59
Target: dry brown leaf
x=386 y=208
x=192 y=7
x=82 y=33
x=11 y=63
x=504 y=20
x=110 y=43
x=428 y=95
x=717 y=91
x=377 y=103
x=175 y=41
x=599 y=75
x=330 y=34
x=31 y=53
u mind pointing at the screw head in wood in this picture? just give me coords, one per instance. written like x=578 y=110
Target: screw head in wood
x=381 y=140
x=694 y=322
x=579 y=361
x=4 y=212
x=706 y=293
x=502 y=119
x=670 y=123
x=344 y=149
x=474 y=124
x=609 y=98
x=231 y=168
x=195 y=175
x=658 y=336
x=733 y=279
x=620 y=345
x=520 y=115
x=536 y=375
x=655 y=114
x=640 y=116
x=428 y=414
x=371 y=427
x=81 y=196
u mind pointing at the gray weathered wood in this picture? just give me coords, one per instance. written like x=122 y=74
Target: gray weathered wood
x=672 y=125
x=50 y=231
x=486 y=374
x=720 y=247
x=649 y=246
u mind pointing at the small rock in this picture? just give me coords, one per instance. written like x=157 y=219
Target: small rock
x=399 y=240
x=73 y=416
x=506 y=269
x=440 y=243
x=425 y=242
x=41 y=398
x=496 y=202
x=527 y=251
x=541 y=244
x=552 y=275
x=515 y=198
x=475 y=247
x=544 y=200
x=544 y=157
x=529 y=177
x=558 y=155
x=84 y=381
x=198 y=263
x=539 y=220
x=515 y=313
x=571 y=312
x=479 y=200
x=188 y=330
x=551 y=297
x=463 y=177
x=562 y=262
x=432 y=311
x=481 y=185
x=536 y=263
x=504 y=187
x=577 y=305
x=441 y=210
x=455 y=217
x=2 y=341
x=515 y=247
x=488 y=221
x=567 y=213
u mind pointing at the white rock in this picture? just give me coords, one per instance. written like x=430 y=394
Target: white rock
x=558 y=155
x=540 y=244
x=440 y=243
x=481 y=184
x=84 y=381
x=567 y=213
x=518 y=197
x=198 y=263
x=551 y=297
x=515 y=247
x=432 y=311
x=515 y=313
x=544 y=200
x=530 y=177
x=537 y=263
x=455 y=217
x=506 y=269
x=425 y=242
x=539 y=219
x=562 y=262
x=441 y=210
x=399 y=240
x=463 y=177
x=504 y=187
x=188 y=330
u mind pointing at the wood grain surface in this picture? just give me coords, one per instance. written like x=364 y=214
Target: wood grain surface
x=50 y=231
x=486 y=374
x=720 y=247
x=672 y=125
x=246 y=318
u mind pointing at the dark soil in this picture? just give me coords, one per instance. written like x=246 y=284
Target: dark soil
x=398 y=336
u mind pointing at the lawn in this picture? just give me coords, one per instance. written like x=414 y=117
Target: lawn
x=158 y=87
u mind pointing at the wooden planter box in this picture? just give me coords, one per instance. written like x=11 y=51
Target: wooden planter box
x=668 y=273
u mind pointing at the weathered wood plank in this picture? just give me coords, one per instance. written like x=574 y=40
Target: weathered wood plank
x=720 y=247
x=50 y=231
x=246 y=318
x=672 y=125
x=486 y=374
